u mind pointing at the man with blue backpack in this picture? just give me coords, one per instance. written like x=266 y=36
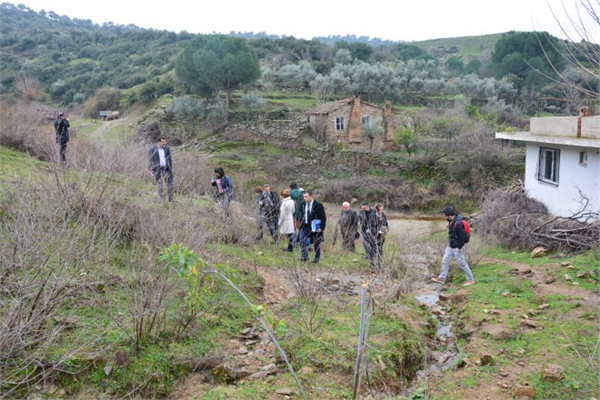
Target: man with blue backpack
x=459 y=233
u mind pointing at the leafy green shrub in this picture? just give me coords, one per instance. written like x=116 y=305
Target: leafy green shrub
x=78 y=98
x=253 y=102
x=186 y=108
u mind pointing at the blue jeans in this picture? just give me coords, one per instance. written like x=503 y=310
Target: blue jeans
x=305 y=237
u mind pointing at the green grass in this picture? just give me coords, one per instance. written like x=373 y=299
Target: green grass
x=554 y=342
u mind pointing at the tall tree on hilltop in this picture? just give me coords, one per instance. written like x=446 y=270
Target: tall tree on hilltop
x=529 y=58
x=213 y=63
x=581 y=28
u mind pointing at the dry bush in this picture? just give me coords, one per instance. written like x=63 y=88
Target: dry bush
x=516 y=221
x=54 y=249
x=496 y=221
x=105 y=99
x=22 y=127
x=29 y=88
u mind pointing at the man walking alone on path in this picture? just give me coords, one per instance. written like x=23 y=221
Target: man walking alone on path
x=61 y=127
x=457 y=237
x=160 y=166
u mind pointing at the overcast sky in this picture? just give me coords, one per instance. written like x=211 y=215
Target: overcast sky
x=406 y=20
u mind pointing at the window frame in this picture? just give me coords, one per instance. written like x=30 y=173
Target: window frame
x=545 y=162
x=340 y=123
x=365 y=120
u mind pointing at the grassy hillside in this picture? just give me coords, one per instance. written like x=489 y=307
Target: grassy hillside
x=467 y=47
x=97 y=232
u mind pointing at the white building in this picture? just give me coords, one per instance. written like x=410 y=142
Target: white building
x=562 y=158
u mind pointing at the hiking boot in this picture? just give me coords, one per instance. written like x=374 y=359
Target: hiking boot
x=437 y=280
x=468 y=283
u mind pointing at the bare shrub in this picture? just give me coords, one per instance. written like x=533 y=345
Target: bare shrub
x=23 y=128
x=29 y=88
x=516 y=221
x=54 y=248
x=105 y=99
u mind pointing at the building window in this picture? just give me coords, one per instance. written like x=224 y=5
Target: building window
x=366 y=120
x=548 y=165
x=583 y=157
x=340 y=123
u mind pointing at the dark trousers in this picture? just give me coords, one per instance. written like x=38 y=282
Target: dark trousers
x=290 y=239
x=305 y=236
x=348 y=240
x=63 y=152
x=167 y=175
x=271 y=226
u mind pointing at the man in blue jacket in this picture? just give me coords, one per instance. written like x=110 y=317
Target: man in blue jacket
x=311 y=210
x=457 y=237
x=161 y=166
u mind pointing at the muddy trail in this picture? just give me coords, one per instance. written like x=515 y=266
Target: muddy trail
x=253 y=353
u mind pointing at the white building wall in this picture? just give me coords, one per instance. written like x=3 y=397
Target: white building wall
x=563 y=200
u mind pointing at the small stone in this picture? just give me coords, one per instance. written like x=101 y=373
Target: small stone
x=284 y=392
x=505 y=294
x=564 y=263
x=539 y=252
x=522 y=392
x=245 y=331
x=504 y=374
x=543 y=306
x=306 y=371
x=568 y=277
x=258 y=375
x=525 y=316
x=224 y=374
x=260 y=253
x=553 y=373
x=569 y=267
x=486 y=359
x=107 y=370
x=270 y=368
x=521 y=352
x=576 y=283
x=550 y=280
x=495 y=312
x=530 y=323
x=355 y=260
x=478 y=362
x=243 y=350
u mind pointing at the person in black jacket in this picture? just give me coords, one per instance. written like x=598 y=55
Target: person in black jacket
x=311 y=210
x=61 y=128
x=160 y=166
x=365 y=217
x=267 y=215
x=378 y=227
x=457 y=238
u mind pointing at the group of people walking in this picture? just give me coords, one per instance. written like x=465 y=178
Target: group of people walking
x=296 y=215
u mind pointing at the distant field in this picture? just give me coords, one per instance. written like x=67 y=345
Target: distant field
x=468 y=46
